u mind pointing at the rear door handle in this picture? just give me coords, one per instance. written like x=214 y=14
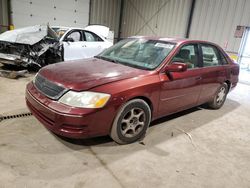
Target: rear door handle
x=222 y=73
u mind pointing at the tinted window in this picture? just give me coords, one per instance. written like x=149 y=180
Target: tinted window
x=188 y=55
x=91 y=37
x=210 y=56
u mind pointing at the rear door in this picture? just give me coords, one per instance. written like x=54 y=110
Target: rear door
x=214 y=72
x=181 y=90
x=93 y=44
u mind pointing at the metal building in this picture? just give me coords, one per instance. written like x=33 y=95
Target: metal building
x=213 y=20
x=21 y=13
x=4 y=16
x=216 y=21
x=106 y=13
x=146 y=17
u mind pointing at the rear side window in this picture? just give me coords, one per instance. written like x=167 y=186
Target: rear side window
x=91 y=37
x=212 y=56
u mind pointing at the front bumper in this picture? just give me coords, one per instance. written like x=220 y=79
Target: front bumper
x=69 y=121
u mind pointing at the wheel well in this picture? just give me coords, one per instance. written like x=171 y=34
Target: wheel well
x=228 y=85
x=147 y=100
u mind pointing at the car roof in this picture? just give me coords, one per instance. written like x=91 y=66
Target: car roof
x=66 y=28
x=173 y=40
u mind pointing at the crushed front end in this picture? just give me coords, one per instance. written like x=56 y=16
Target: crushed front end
x=31 y=46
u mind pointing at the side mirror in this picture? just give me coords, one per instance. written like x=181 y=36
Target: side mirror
x=176 y=67
x=69 y=39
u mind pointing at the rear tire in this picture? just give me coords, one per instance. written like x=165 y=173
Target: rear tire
x=131 y=122
x=219 y=97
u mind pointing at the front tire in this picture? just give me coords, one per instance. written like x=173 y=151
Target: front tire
x=131 y=122
x=219 y=97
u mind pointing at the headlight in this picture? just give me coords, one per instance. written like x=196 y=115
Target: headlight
x=85 y=99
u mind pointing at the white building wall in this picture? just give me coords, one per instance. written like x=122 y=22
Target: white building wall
x=73 y=13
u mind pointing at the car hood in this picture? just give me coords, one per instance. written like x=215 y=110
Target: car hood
x=28 y=35
x=85 y=74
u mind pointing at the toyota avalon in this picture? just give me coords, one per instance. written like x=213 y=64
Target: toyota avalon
x=123 y=89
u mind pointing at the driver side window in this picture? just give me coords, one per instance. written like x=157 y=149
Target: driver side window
x=75 y=35
x=188 y=54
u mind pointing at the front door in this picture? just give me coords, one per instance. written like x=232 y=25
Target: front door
x=74 y=46
x=181 y=90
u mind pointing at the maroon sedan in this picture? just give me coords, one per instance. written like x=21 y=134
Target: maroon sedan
x=120 y=91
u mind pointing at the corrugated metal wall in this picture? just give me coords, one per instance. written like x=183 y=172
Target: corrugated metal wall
x=3 y=15
x=106 y=12
x=213 y=20
x=216 y=21
x=158 y=17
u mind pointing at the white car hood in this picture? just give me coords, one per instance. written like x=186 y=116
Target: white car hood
x=27 y=35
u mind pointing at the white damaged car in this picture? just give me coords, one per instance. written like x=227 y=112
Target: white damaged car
x=84 y=43
x=41 y=45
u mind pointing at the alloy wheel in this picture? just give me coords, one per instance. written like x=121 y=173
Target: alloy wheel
x=133 y=122
x=221 y=95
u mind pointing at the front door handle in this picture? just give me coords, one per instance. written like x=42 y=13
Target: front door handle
x=198 y=78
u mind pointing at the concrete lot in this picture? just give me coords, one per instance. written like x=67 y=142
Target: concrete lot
x=31 y=156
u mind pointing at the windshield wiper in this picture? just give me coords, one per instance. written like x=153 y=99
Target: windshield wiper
x=106 y=59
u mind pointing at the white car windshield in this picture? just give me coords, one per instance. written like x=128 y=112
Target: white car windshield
x=139 y=53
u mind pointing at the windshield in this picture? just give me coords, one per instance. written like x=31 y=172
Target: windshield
x=139 y=53
x=59 y=31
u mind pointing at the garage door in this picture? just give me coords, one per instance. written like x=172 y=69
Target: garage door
x=72 y=13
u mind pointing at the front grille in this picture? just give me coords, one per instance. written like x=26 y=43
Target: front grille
x=49 y=88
